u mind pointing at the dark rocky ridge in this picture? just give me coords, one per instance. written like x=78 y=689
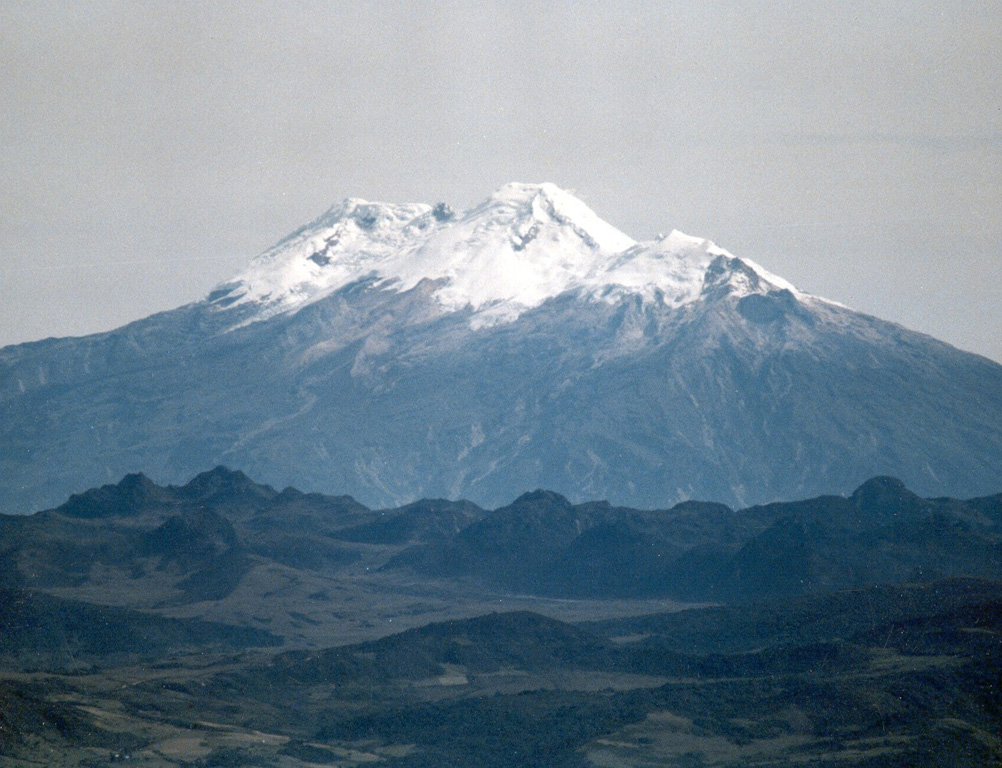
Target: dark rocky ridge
x=204 y=538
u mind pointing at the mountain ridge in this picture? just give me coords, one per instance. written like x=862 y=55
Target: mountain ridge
x=205 y=540
x=724 y=383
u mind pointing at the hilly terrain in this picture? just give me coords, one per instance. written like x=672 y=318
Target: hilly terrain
x=224 y=540
x=394 y=352
x=225 y=623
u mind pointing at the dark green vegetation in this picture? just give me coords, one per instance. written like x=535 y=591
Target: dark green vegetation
x=42 y=632
x=223 y=623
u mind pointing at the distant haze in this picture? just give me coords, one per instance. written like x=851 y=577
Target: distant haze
x=149 y=150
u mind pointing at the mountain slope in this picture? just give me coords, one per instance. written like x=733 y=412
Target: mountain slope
x=399 y=352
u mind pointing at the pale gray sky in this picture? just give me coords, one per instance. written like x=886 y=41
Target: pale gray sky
x=148 y=150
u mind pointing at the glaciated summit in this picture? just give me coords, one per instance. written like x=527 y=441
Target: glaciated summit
x=394 y=352
x=523 y=245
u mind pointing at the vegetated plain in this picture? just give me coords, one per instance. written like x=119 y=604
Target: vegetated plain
x=223 y=623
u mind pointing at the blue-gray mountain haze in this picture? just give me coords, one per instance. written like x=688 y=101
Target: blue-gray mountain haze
x=379 y=352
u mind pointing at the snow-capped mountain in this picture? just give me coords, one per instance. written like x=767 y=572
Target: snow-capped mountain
x=401 y=351
x=524 y=245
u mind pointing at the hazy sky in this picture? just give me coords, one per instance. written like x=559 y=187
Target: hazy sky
x=148 y=150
